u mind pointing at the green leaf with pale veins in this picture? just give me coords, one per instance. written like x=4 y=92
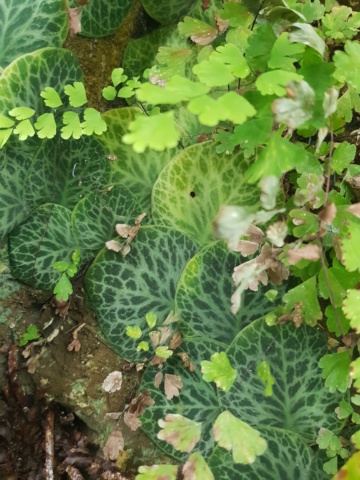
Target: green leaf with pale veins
x=24 y=129
x=213 y=73
x=22 y=113
x=304 y=295
x=176 y=90
x=274 y=82
x=51 y=97
x=231 y=55
x=181 y=432
x=93 y=123
x=347 y=65
x=72 y=126
x=278 y=157
x=157 y=472
x=233 y=434
x=336 y=370
x=63 y=288
x=157 y=132
x=219 y=370
x=46 y=126
x=76 y=94
x=196 y=467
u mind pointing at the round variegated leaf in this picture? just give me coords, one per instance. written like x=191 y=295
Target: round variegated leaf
x=197 y=399
x=191 y=188
x=203 y=296
x=122 y=290
x=29 y=26
x=140 y=52
x=100 y=18
x=167 y=11
x=316 y=468
x=300 y=402
x=22 y=82
x=94 y=218
x=138 y=171
x=34 y=246
x=14 y=163
x=286 y=458
x=64 y=172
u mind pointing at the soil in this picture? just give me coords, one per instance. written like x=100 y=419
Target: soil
x=53 y=381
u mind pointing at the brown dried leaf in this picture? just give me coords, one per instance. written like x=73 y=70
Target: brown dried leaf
x=112 y=415
x=187 y=363
x=171 y=318
x=309 y=252
x=246 y=248
x=140 y=218
x=74 y=16
x=276 y=233
x=158 y=379
x=123 y=230
x=114 y=445
x=157 y=360
x=172 y=386
x=126 y=249
x=132 y=421
x=176 y=341
x=202 y=138
x=139 y=403
x=155 y=337
x=112 y=382
x=221 y=24
x=75 y=344
x=113 y=245
x=354 y=209
x=328 y=213
x=354 y=182
x=255 y=234
x=205 y=4
x=33 y=363
x=204 y=38
x=165 y=333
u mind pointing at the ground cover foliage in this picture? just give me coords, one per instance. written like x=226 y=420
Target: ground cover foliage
x=215 y=220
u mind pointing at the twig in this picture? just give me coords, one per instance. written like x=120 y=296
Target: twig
x=73 y=473
x=49 y=446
